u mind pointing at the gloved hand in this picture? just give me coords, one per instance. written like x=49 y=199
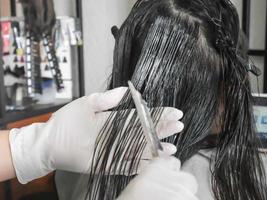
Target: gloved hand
x=66 y=141
x=161 y=180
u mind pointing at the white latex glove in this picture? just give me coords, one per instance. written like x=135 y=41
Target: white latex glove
x=66 y=141
x=161 y=180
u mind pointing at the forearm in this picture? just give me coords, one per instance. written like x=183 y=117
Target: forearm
x=6 y=166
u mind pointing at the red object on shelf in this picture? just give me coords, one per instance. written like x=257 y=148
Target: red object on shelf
x=6 y=31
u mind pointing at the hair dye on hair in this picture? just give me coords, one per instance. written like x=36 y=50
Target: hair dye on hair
x=183 y=54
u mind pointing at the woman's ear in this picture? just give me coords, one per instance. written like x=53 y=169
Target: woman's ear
x=115 y=31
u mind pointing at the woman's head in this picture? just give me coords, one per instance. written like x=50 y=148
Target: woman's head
x=183 y=54
x=204 y=22
x=171 y=50
x=214 y=20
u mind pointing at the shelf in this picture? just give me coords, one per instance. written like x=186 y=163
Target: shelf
x=255 y=52
x=260 y=100
x=32 y=112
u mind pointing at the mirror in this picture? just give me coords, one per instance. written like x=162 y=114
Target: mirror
x=40 y=58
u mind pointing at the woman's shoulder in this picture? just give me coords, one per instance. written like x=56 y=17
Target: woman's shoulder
x=200 y=160
x=199 y=166
x=205 y=156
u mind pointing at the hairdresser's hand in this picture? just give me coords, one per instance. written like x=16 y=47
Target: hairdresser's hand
x=160 y=180
x=67 y=140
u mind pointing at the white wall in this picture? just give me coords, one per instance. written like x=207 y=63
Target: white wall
x=98 y=18
x=65 y=7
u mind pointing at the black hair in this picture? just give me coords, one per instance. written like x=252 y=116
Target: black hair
x=183 y=54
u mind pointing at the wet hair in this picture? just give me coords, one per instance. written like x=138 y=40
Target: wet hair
x=182 y=54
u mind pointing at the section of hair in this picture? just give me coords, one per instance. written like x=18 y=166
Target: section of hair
x=167 y=67
x=183 y=54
